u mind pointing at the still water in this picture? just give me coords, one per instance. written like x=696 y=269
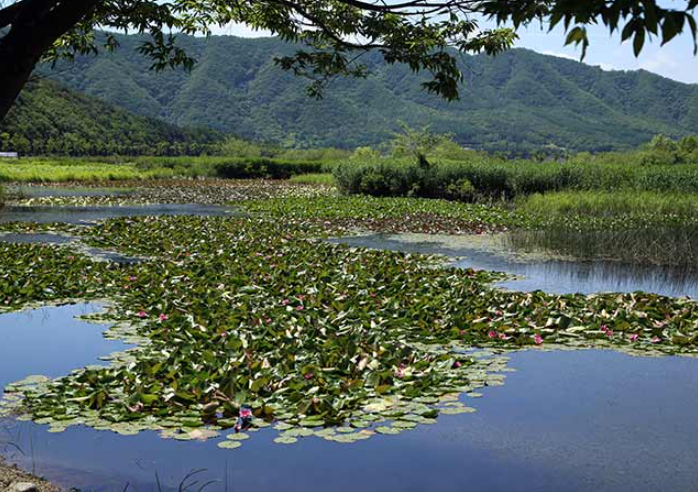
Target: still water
x=566 y=421
x=573 y=421
x=28 y=191
x=539 y=273
x=86 y=215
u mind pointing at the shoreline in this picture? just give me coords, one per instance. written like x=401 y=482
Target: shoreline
x=11 y=475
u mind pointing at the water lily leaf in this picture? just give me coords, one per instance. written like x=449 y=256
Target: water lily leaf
x=240 y=436
x=404 y=424
x=229 y=444
x=457 y=410
x=388 y=430
x=285 y=440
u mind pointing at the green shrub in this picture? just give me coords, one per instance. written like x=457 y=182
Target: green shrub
x=231 y=167
x=485 y=177
x=380 y=177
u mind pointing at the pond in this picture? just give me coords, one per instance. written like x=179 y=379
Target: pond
x=41 y=191
x=605 y=413
x=566 y=420
x=538 y=272
x=86 y=215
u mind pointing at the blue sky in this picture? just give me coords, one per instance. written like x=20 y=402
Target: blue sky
x=674 y=60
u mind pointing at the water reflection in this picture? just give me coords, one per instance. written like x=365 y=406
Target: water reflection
x=38 y=238
x=86 y=215
x=537 y=272
x=50 y=341
x=572 y=421
x=67 y=191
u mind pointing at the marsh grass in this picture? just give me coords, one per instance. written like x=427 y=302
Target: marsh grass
x=638 y=227
x=612 y=204
x=315 y=178
x=483 y=176
x=669 y=246
x=61 y=170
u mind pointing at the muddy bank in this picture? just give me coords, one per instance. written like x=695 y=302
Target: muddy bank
x=10 y=475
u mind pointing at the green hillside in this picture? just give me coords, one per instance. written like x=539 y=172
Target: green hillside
x=50 y=119
x=519 y=101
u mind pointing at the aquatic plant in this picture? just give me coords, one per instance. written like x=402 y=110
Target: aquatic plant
x=386 y=214
x=632 y=227
x=253 y=312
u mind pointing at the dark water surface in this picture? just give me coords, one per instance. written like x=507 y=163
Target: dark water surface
x=566 y=421
x=66 y=191
x=83 y=215
x=39 y=237
x=550 y=275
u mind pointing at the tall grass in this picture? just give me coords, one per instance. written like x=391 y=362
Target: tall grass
x=43 y=171
x=315 y=178
x=603 y=204
x=494 y=177
x=640 y=227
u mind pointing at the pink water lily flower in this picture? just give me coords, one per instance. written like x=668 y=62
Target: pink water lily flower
x=504 y=336
x=285 y=302
x=538 y=339
x=634 y=337
x=492 y=334
x=656 y=340
x=163 y=317
x=308 y=376
x=609 y=333
x=299 y=308
x=604 y=328
x=142 y=314
x=457 y=364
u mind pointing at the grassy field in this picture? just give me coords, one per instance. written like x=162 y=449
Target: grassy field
x=45 y=170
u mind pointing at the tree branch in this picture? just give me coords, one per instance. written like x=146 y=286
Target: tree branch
x=9 y=14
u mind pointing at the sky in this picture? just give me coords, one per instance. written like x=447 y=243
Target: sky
x=674 y=60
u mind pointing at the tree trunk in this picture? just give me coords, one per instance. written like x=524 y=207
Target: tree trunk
x=34 y=26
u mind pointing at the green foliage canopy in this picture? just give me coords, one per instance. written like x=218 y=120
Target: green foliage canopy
x=417 y=33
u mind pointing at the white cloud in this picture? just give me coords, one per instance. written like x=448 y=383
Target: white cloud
x=559 y=55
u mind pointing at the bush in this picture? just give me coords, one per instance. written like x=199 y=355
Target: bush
x=491 y=178
x=379 y=177
x=231 y=167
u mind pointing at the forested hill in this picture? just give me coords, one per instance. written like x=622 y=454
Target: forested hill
x=519 y=100
x=51 y=119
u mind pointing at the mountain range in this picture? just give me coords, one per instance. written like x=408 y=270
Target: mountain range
x=517 y=101
x=49 y=118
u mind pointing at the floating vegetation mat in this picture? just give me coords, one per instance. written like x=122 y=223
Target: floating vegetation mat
x=243 y=323
x=199 y=191
x=393 y=215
